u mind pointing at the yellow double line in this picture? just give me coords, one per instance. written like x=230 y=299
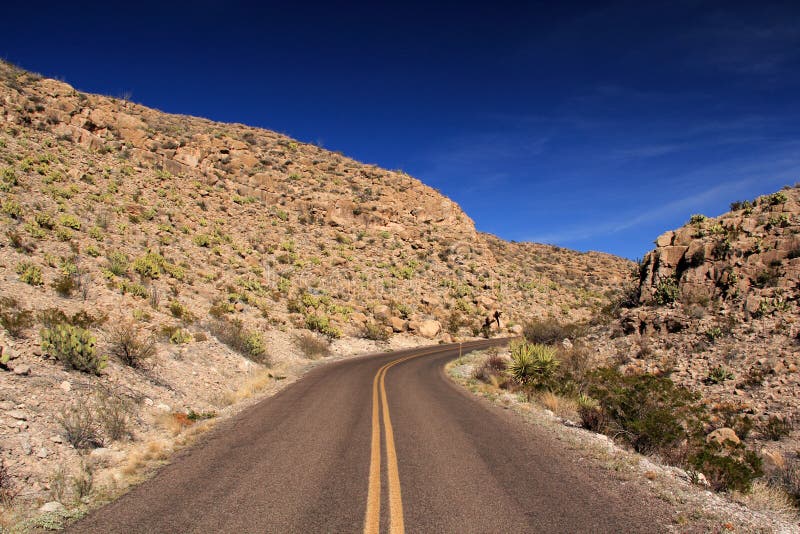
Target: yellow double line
x=372 y=519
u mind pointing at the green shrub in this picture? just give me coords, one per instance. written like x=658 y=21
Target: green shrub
x=93 y=251
x=118 y=263
x=322 y=324
x=777 y=198
x=30 y=273
x=65 y=285
x=649 y=412
x=666 y=291
x=776 y=428
x=13 y=319
x=728 y=470
x=697 y=218
x=137 y=290
x=70 y=221
x=550 y=331
x=178 y=336
x=533 y=365
x=375 y=332
x=202 y=240
x=74 y=346
x=718 y=375
x=12 y=208
x=232 y=333
x=149 y=266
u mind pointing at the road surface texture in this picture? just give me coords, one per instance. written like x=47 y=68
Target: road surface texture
x=330 y=454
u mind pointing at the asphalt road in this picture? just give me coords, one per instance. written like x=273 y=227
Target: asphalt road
x=329 y=454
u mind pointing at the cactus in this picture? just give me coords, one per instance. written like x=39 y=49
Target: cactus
x=73 y=346
x=4 y=357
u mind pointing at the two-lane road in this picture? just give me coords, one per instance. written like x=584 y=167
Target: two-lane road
x=380 y=443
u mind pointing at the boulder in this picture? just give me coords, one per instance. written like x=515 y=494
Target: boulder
x=429 y=329
x=382 y=312
x=722 y=436
x=397 y=324
x=664 y=240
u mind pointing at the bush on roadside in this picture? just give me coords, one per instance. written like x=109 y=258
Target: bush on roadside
x=312 y=346
x=232 y=333
x=375 y=332
x=533 y=366
x=550 y=331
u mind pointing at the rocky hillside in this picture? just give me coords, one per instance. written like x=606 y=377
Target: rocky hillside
x=194 y=253
x=718 y=308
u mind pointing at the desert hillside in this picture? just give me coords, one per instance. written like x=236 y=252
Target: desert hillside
x=153 y=265
x=715 y=308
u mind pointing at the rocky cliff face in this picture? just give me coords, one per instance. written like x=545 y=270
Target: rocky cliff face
x=718 y=309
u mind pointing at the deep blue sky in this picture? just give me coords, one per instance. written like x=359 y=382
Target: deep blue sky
x=584 y=125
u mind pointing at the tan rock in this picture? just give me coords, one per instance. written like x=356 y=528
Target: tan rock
x=723 y=435
x=430 y=328
x=397 y=324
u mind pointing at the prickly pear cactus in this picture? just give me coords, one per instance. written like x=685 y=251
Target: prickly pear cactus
x=4 y=357
x=73 y=346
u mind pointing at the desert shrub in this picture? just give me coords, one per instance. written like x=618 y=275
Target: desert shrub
x=312 y=346
x=44 y=220
x=65 y=284
x=777 y=198
x=718 y=375
x=52 y=317
x=649 y=412
x=177 y=335
x=70 y=221
x=788 y=479
x=180 y=311
x=232 y=333
x=533 y=365
x=493 y=366
x=118 y=263
x=73 y=346
x=697 y=218
x=666 y=291
x=728 y=470
x=13 y=319
x=83 y=480
x=137 y=290
x=777 y=427
x=12 y=208
x=29 y=273
x=375 y=332
x=79 y=425
x=322 y=324
x=113 y=414
x=549 y=331
x=149 y=266
x=129 y=346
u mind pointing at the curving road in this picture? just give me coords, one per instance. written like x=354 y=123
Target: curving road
x=379 y=443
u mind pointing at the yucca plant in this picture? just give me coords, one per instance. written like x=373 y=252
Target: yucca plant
x=533 y=365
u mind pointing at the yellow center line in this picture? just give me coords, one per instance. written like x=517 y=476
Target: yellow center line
x=379 y=398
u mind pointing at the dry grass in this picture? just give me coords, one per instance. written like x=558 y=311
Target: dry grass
x=561 y=406
x=257 y=382
x=143 y=456
x=767 y=498
x=174 y=423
